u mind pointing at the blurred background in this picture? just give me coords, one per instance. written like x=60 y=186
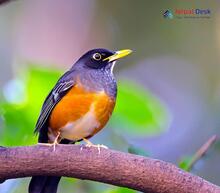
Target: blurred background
x=169 y=88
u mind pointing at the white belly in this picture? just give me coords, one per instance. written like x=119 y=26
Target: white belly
x=82 y=127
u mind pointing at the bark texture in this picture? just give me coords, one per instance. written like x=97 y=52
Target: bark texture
x=112 y=167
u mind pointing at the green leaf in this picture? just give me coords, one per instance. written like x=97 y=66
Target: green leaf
x=120 y=190
x=138 y=112
x=185 y=163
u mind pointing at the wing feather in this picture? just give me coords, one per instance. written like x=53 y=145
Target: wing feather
x=56 y=94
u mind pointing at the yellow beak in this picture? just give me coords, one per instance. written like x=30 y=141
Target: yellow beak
x=118 y=54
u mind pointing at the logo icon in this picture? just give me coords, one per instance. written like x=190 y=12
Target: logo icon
x=168 y=14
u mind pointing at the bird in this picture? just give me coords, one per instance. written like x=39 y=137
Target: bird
x=79 y=106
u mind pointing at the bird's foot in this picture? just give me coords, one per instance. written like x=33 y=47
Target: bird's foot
x=98 y=146
x=90 y=144
x=50 y=144
x=54 y=145
x=56 y=141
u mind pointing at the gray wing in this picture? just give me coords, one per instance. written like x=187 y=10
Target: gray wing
x=56 y=94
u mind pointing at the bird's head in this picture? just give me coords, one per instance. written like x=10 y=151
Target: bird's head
x=101 y=58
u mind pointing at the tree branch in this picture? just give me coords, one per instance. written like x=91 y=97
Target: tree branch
x=112 y=167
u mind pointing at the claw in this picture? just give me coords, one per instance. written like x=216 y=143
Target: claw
x=89 y=144
x=54 y=145
x=81 y=148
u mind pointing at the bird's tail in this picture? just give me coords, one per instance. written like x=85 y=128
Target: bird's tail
x=44 y=184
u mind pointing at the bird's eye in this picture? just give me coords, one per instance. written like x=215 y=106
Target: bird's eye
x=97 y=56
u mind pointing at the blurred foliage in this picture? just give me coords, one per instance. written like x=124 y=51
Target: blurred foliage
x=137 y=150
x=185 y=163
x=137 y=111
x=120 y=190
x=19 y=119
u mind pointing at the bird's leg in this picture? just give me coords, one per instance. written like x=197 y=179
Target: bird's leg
x=56 y=141
x=90 y=144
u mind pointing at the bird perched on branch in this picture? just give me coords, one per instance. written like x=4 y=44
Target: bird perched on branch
x=79 y=106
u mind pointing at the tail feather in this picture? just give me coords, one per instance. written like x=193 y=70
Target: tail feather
x=45 y=184
x=37 y=184
x=51 y=184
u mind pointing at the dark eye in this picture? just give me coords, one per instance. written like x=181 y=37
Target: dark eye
x=97 y=56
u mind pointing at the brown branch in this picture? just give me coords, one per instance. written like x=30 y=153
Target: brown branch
x=112 y=167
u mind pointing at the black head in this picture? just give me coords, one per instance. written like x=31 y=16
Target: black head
x=100 y=58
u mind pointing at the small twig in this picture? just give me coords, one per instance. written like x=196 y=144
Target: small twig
x=201 y=152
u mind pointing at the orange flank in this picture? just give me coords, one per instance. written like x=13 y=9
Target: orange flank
x=68 y=115
x=103 y=110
